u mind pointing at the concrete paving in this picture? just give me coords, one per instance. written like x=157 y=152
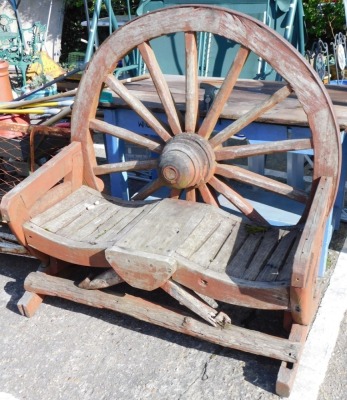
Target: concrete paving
x=71 y=351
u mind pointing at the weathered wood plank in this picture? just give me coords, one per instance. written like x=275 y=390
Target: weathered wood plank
x=222 y=287
x=286 y=271
x=171 y=241
x=231 y=245
x=194 y=304
x=64 y=205
x=69 y=250
x=268 y=243
x=242 y=259
x=93 y=230
x=88 y=217
x=309 y=247
x=288 y=371
x=119 y=225
x=164 y=224
x=199 y=236
x=233 y=337
x=140 y=269
x=273 y=266
x=206 y=253
x=70 y=215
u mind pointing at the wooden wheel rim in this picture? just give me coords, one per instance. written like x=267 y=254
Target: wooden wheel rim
x=246 y=31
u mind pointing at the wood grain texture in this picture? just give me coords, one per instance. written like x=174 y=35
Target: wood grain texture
x=126 y=135
x=249 y=150
x=260 y=181
x=223 y=94
x=16 y=204
x=288 y=371
x=138 y=107
x=125 y=166
x=192 y=86
x=233 y=337
x=175 y=118
x=140 y=269
x=237 y=200
x=251 y=116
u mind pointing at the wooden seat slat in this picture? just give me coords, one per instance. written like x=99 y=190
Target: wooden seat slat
x=121 y=226
x=207 y=253
x=65 y=218
x=213 y=240
x=169 y=236
x=266 y=247
x=94 y=230
x=278 y=258
x=229 y=248
x=161 y=226
x=109 y=228
x=285 y=273
x=206 y=227
x=241 y=260
x=64 y=205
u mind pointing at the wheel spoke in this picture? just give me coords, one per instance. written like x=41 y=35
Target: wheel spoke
x=191 y=194
x=133 y=102
x=207 y=196
x=237 y=200
x=223 y=94
x=251 y=116
x=148 y=189
x=249 y=150
x=192 y=84
x=125 y=166
x=252 y=178
x=125 y=134
x=174 y=116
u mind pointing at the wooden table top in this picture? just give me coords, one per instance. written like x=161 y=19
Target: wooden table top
x=246 y=94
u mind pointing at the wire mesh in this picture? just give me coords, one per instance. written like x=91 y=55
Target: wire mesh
x=22 y=155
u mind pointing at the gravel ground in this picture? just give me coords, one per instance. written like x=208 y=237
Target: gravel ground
x=71 y=351
x=335 y=383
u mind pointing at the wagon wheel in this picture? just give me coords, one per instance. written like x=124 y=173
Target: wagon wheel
x=191 y=158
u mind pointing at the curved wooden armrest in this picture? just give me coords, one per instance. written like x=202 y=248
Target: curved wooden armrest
x=19 y=204
x=309 y=249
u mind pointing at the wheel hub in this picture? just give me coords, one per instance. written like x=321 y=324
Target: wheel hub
x=186 y=161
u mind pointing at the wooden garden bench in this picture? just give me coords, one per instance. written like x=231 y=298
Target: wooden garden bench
x=185 y=243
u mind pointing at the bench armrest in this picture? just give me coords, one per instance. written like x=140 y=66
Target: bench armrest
x=308 y=253
x=18 y=205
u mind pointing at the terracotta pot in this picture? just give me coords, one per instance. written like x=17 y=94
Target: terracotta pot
x=6 y=95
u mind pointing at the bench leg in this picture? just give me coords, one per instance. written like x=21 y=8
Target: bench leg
x=29 y=303
x=288 y=371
